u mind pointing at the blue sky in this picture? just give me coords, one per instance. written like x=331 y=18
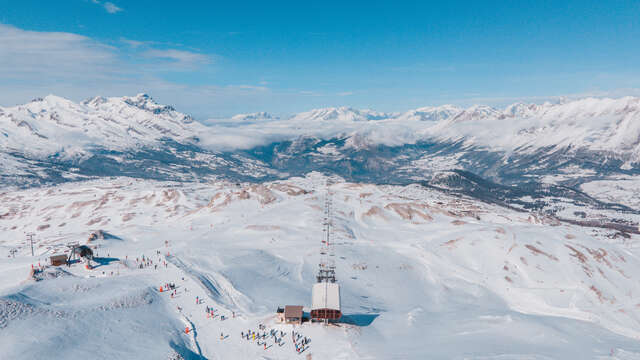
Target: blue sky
x=215 y=59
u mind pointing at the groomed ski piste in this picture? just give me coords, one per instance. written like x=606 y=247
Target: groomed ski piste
x=423 y=275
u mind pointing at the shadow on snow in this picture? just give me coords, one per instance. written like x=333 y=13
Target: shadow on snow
x=358 y=319
x=185 y=352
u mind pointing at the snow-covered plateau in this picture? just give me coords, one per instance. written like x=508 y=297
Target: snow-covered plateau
x=424 y=274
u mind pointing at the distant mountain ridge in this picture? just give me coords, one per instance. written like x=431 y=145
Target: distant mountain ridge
x=53 y=140
x=49 y=124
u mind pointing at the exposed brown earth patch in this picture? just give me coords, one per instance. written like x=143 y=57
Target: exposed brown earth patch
x=290 y=190
x=600 y=255
x=600 y=296
x=537 y=251
x=375 y=210
x=408 y=211
x=451 y=244
x=577 y=254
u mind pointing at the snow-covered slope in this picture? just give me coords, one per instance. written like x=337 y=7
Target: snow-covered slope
x=422 y=273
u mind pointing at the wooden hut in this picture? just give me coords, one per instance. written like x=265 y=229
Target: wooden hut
x=293 y=314
x=57 y=260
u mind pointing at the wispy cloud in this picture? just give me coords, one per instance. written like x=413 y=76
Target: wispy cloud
x=32 y=54
x=249 y=87
x=309 y=93
x=182 y=57
x=36 y=56
x=110 y=7
x=135 y=43
x=36 y=63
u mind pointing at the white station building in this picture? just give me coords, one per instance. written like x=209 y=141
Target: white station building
x=325 y=302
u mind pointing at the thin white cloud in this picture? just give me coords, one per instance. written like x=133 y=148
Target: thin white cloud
x=34 y=63
x=309 y=93
x=135 y=43
x=249 y=87
x=34 y=55
x=111 y=8
x=181 y=57
x=29 y=55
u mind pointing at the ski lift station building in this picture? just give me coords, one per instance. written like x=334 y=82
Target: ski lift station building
x=325 y=301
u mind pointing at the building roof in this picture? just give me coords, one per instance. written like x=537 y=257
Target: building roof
x=293 y=311
x=325 y=295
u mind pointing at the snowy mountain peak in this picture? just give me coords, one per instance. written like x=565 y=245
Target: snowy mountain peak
x=56 y=124
x=258 y=116
x=432 y=113
x=146 y=102
x=520 y=109
x=343 y=114
x=476 y=112
x=95 y=101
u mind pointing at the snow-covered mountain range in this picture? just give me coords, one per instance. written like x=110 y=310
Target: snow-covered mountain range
x=562 y=146
x=56 y=125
